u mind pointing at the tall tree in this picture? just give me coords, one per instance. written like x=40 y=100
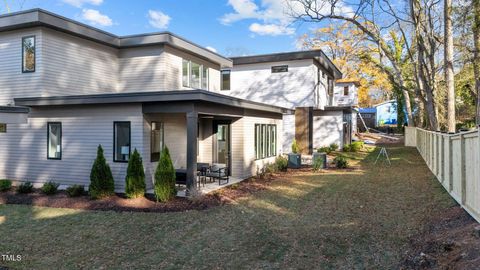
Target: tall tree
x=449 y=79
x=476 y=53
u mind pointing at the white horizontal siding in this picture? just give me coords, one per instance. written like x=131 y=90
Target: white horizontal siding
x=295 y=88
x=74 y=66
x=14 y=83
x=327 y=128
x=83 y=129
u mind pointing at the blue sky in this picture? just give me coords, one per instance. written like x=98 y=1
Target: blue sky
x=231 y=27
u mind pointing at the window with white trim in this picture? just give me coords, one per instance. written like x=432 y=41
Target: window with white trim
x=194 y=75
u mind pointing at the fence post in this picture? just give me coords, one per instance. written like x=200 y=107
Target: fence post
x=450 y=164
x=463 y=181
x=442 y=159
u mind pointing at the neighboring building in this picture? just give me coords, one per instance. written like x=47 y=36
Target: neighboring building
x=382 y=114
x=386 y=113
x=85 y=87
x=301 y=81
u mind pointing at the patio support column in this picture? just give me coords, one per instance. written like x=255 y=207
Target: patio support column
x=192 y=131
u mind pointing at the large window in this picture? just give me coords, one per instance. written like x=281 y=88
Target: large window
x=54 y=140
x=28 y=54
x=194 y=75
x=265 y=141
x=157 y=141
x=225 y=80
x=121 y=141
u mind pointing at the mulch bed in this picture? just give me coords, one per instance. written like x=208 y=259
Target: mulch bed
x=148 y=204
x=449 y=241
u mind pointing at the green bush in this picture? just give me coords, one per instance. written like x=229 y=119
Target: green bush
x=5 y=185
x=318 y=164
x=101 y=179
x=281 y=163
x=347 y=148
x=270 y=168
x=295 y=148
x=324 y=149
x=135 y=179
x=356 y=146
x=75 y=191
x=50 y=188
x=333 y=147
x=165 y=178
x=26 y=187
x=341 y=162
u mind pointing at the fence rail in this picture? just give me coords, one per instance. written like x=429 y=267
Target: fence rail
x=455 y=160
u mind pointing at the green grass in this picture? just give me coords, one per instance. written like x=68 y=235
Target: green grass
x=330 y=220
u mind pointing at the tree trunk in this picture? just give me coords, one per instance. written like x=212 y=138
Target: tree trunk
x=476 y=54
x=449 y=80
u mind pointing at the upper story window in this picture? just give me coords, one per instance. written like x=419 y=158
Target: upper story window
x=3 y=128
x=194 y=75
x=28 y=54
x=345 y=90
x=278 y=69
x=225 y=79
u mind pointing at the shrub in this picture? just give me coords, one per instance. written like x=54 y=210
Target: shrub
x=165 y=178
x=26 y=187
x=281 y=163
x=324 y=149
x=75 y=190
x=347 y=148
x=270 y=168
x=318 y=163
x=5 y=185
x=295 y=148
x=135 y=179
x=50 y=188
x=341 y=162
x=333 y=147
x=356 y=146
x=101 y=179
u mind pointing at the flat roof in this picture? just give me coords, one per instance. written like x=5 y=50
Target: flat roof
x=146 y=97
x=318 y=55
x=14 y=109
x=40 y=17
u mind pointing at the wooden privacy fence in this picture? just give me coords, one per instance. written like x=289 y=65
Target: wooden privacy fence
x=455 y=160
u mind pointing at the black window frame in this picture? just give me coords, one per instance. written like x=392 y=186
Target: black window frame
x=130 y=141
x=279 y=69
x=153 y=155
x=3 y=128
x=48 y=140
x=267 y=146
x=34 y=54
x=222 y=73
x=346 y=90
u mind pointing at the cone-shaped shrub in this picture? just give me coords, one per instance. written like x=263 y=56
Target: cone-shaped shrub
x=135 y=179
x=165 y=178
x=101 y=179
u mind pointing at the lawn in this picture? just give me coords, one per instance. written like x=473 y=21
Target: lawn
x=361 y=218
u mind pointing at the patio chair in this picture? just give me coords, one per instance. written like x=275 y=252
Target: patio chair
x=202 y=169
x=218 y=171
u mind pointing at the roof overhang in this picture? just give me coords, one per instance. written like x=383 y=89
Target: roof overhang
x=13 y=115
x=317 y=55
x=151 y=97
x=39 y=17
x=347 y=109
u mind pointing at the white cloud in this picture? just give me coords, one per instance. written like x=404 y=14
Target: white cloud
x=80 y=3
x=271 y=29
x=211 y=49
x=158 y=19
x=274 y=16
x=94 y=17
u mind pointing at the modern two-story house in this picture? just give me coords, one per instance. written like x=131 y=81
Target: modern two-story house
x=66 y=88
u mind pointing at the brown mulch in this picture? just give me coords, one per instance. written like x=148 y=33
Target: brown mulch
x=450 y=241
x=147 y=204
